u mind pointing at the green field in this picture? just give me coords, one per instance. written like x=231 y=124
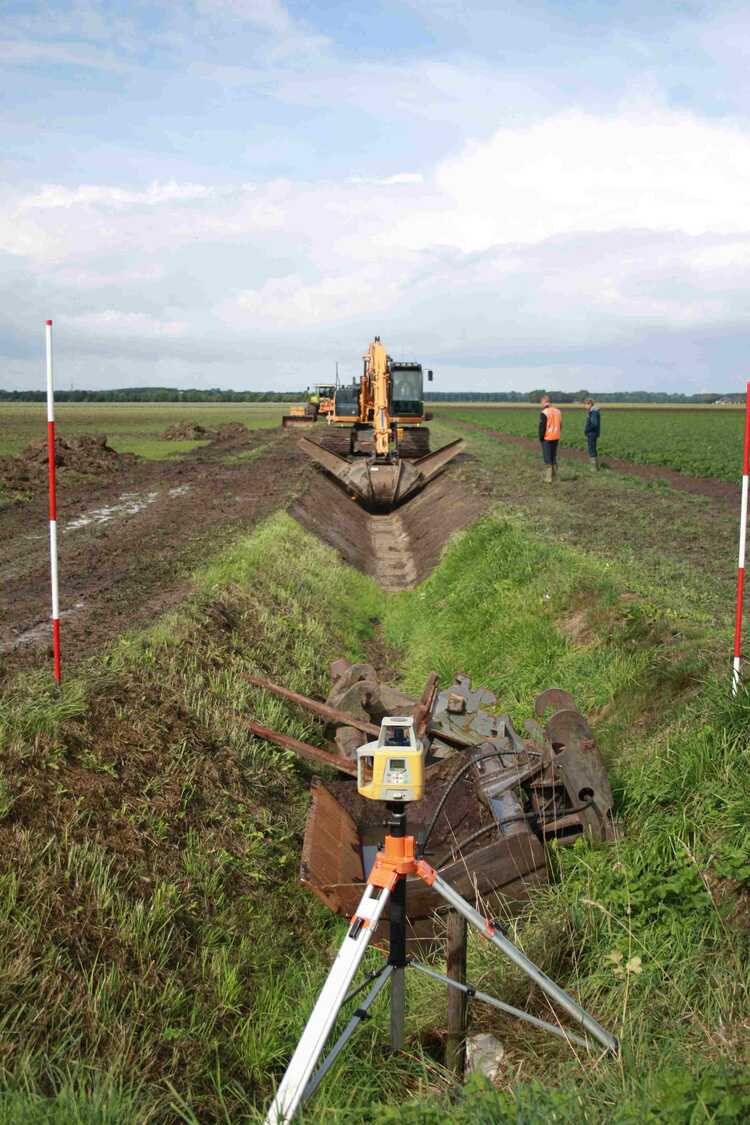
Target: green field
x=130 y=427
x=158 y=955
x=702 y=441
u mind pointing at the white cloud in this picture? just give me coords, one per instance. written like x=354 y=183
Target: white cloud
x=55 y=195
x=291 y=302
x=640 y=169
x=271 y=18
x=549 y=246
x=115 y=323
x=20 y=52
x=388 y=181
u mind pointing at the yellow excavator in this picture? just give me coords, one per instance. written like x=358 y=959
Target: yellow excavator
x=378 y=445
x=319 y=404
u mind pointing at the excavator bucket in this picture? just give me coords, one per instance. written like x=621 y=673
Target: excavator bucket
x=382 y=484
x=298 y=420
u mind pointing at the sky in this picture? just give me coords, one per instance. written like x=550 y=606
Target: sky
x=241 y=193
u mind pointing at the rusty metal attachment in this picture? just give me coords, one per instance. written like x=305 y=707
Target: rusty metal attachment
x=511 y=793
x=494 y=799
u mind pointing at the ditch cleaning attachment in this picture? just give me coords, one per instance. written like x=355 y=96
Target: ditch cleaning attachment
x=494 y=799
x=382 y=483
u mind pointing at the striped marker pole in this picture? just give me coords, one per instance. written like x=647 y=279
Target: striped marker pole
x=736 y=677
x=52 y=506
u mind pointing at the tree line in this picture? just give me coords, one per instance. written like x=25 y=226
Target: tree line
x=155 y=394
x=643 y=397
x=215 y=394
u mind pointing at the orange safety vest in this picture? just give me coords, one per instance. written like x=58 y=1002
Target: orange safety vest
x=554 y=423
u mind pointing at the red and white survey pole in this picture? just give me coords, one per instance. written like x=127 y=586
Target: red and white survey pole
x=52 y=506
x=736 y=663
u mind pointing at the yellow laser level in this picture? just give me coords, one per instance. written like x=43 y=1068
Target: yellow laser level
x=392 y=767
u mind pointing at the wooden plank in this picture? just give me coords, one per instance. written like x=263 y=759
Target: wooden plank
x=331 y=847
x=492 y=867
x=425 y=706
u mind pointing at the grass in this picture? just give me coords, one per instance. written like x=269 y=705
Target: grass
x=667 y=547
x=159 y=957
x=651 y=934
x=149 y=896
x=130 y=427
x=702 y=441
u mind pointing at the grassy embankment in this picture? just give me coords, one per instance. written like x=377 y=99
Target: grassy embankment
x=159 y=958
x=669 y=548
x=130 y=427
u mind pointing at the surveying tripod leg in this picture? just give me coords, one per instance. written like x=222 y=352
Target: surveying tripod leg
x=487 y=930
x=362 y=1013
x=292 y=1086
x=477 y=994
x=397 y=960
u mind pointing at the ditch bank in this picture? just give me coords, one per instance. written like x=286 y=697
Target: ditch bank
x=151 y=852
x=399 y=549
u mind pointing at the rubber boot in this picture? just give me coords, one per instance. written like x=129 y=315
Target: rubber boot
x=549 y=474
x=594 y=464
x=554 y=472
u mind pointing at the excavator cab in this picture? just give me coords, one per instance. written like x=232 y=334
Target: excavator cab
x=406 y=392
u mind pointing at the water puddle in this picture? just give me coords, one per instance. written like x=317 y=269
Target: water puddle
x=38 y=633
x=129 y=504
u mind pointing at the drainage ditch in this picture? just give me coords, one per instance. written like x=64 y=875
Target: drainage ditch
x=399 y=549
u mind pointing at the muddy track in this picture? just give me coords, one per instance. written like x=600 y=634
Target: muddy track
x=129 y=540
x=698 y=486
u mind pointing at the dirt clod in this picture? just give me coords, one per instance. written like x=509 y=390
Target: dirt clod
x=187 y=431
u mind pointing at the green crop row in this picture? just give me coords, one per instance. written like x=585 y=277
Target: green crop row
x=705 y=443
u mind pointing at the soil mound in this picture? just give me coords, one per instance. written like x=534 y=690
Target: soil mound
x=88 y=453
x=188 y=431
x=233 y=431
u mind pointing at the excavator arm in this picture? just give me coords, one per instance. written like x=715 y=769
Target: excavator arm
x=377 y=380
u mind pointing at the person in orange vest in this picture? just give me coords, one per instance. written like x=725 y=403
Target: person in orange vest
x=550 y=428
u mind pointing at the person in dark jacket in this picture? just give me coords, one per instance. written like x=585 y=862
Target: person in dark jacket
x=592 y=430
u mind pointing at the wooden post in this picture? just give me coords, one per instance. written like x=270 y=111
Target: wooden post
x=455 y=1048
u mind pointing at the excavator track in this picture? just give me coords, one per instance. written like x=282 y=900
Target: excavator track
x=336 y=440
x=414 y=442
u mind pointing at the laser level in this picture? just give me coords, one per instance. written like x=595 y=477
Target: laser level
x=392 y=767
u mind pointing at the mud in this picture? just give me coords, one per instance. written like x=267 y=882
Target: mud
x=128 y=539
x=698 y=486
x=397 y=550
x=130 y=533
x=88 y=454
x=187 y=431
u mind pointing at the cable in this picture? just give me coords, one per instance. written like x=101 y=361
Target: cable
x=511 y=820
x=449 y=789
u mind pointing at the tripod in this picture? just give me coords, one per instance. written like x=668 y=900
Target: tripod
x=387 y=881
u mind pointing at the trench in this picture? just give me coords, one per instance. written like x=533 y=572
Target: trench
x=397 y=550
